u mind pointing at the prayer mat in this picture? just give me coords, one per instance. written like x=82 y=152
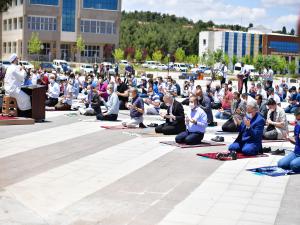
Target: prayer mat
x=270 y=141
x=223 y=132
x=7 y=117
x=272 y=171
x=119 y=127
x=239 y=156
x=203 y=144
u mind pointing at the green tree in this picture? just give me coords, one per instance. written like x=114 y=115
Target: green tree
x=282 y=64
x=4 y=4
x=192 y=59
x=157 y=55
x=292 y=31
x=234 y=60
x=218 y=54
x=259 y=63
x=80 y=46
x=180 y=55
x=284 y=30
x=226 y=59
x=34 y=44
x=138 y=56
x=292 y=67
x=118 y=54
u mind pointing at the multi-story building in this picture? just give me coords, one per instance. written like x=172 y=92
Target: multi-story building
x=252 y=43
x=59 y=24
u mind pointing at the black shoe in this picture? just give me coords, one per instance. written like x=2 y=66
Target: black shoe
x=213 y=124
x=215 y=138
x=266 y=150
x=233 y=155
x=278 y=152
x=141 y=125
x=153 y=125
x=222 y=155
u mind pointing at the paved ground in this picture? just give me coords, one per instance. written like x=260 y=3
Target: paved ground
x=69 y=171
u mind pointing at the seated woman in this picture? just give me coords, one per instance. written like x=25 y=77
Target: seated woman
x=277 y=125
x=292 y=161
x=196 y=123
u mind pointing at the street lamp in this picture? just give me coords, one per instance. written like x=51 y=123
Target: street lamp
x=168 y=55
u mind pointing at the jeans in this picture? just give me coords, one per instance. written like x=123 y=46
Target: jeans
x=223 y=116
x=189 y=138
x=245 y=148
x=110 y=117
x=291 y=109
x=290 y=162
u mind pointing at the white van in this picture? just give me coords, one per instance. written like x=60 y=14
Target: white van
x=150 y=64
x=251 y=68
x=181 y=67
x=61 y=65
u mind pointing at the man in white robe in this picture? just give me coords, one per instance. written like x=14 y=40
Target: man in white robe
x=13 y=81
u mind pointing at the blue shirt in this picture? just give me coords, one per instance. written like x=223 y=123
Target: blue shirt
x=200 y=116
x=155 y=98
x=139 y=103
x=297 y=139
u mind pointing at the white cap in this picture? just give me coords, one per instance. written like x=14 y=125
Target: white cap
x=144 y=78
x=54 y=72
x=13 y=57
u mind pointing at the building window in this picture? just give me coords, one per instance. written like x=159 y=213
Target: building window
x=42 y=23
x=9 y=47
x=91 y=51
x=204 y=42
x=14 y=47
x=9 y=24
x=21 y=47
x=4 y=47
x=16 y=2
x=97 y=27
x=244 y=42
x=21 y=2
x=15 y=23
x=21 y=23
x=101 y=4
x=46 y=49
x=226 y=42
x=252 y=45
x=44 y=2
x=68 y=16
x=5 y=24
x=284 y=47
x=235 y=39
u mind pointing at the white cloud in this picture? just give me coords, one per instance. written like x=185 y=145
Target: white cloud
x=273 y=3
x=217 y=10
x=289 y=21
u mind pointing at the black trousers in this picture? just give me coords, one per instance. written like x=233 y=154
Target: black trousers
x=51 y=102
x=111 y=117
x=223 y=80
x=216 y=105
x=122 y=105
x=245 y=82
x=168 y=129
x=229 y=126
x=186 y=101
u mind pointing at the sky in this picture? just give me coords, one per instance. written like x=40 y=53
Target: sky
x=272 y=14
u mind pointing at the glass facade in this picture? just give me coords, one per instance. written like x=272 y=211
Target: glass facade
x=41 y=23
x=98 y=27
x=91 y=51
x=44 y=2
x=252 y=45
x=226 y=42
x=244 y=42
x=260 y=43
x=101 y=4
x=285 y=47
x=68 y=15
x=235 y=39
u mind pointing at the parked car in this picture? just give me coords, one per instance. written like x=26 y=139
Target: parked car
x=124 y=62
x=149 y=64
x=5 y=64
x=181 y=67
x=86 y=68
x=162 y=67
x=61 y=65
x=199 y=69
x=238 y=67
x=47 y=66
x=26 y=64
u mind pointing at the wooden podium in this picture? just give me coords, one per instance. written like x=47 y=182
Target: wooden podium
x=37 y=95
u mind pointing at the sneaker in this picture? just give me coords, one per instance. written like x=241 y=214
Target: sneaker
x=278 y=152
x=233 y=155
x=141 y=125
x=215 y=138
x=218 y=139
x=153 y=125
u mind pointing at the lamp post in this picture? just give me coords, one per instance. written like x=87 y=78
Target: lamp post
x=168 y=55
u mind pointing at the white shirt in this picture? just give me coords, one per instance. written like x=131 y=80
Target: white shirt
x=53 y=90
x=263 y=93
x=14 y=79
x=276 y=98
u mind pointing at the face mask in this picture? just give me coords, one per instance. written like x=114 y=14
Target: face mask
x=169 y=83
x=51 y=81
x=168 y=104
x=249 y=115
x=150 y=94
x=108 y=92
x=298 y=122
x=192 y=105
x=89 y=92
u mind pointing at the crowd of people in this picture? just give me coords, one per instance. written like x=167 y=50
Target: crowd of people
x=255 y=113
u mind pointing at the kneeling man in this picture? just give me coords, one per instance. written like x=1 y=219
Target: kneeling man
x=249 y=140
x=196 y=123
